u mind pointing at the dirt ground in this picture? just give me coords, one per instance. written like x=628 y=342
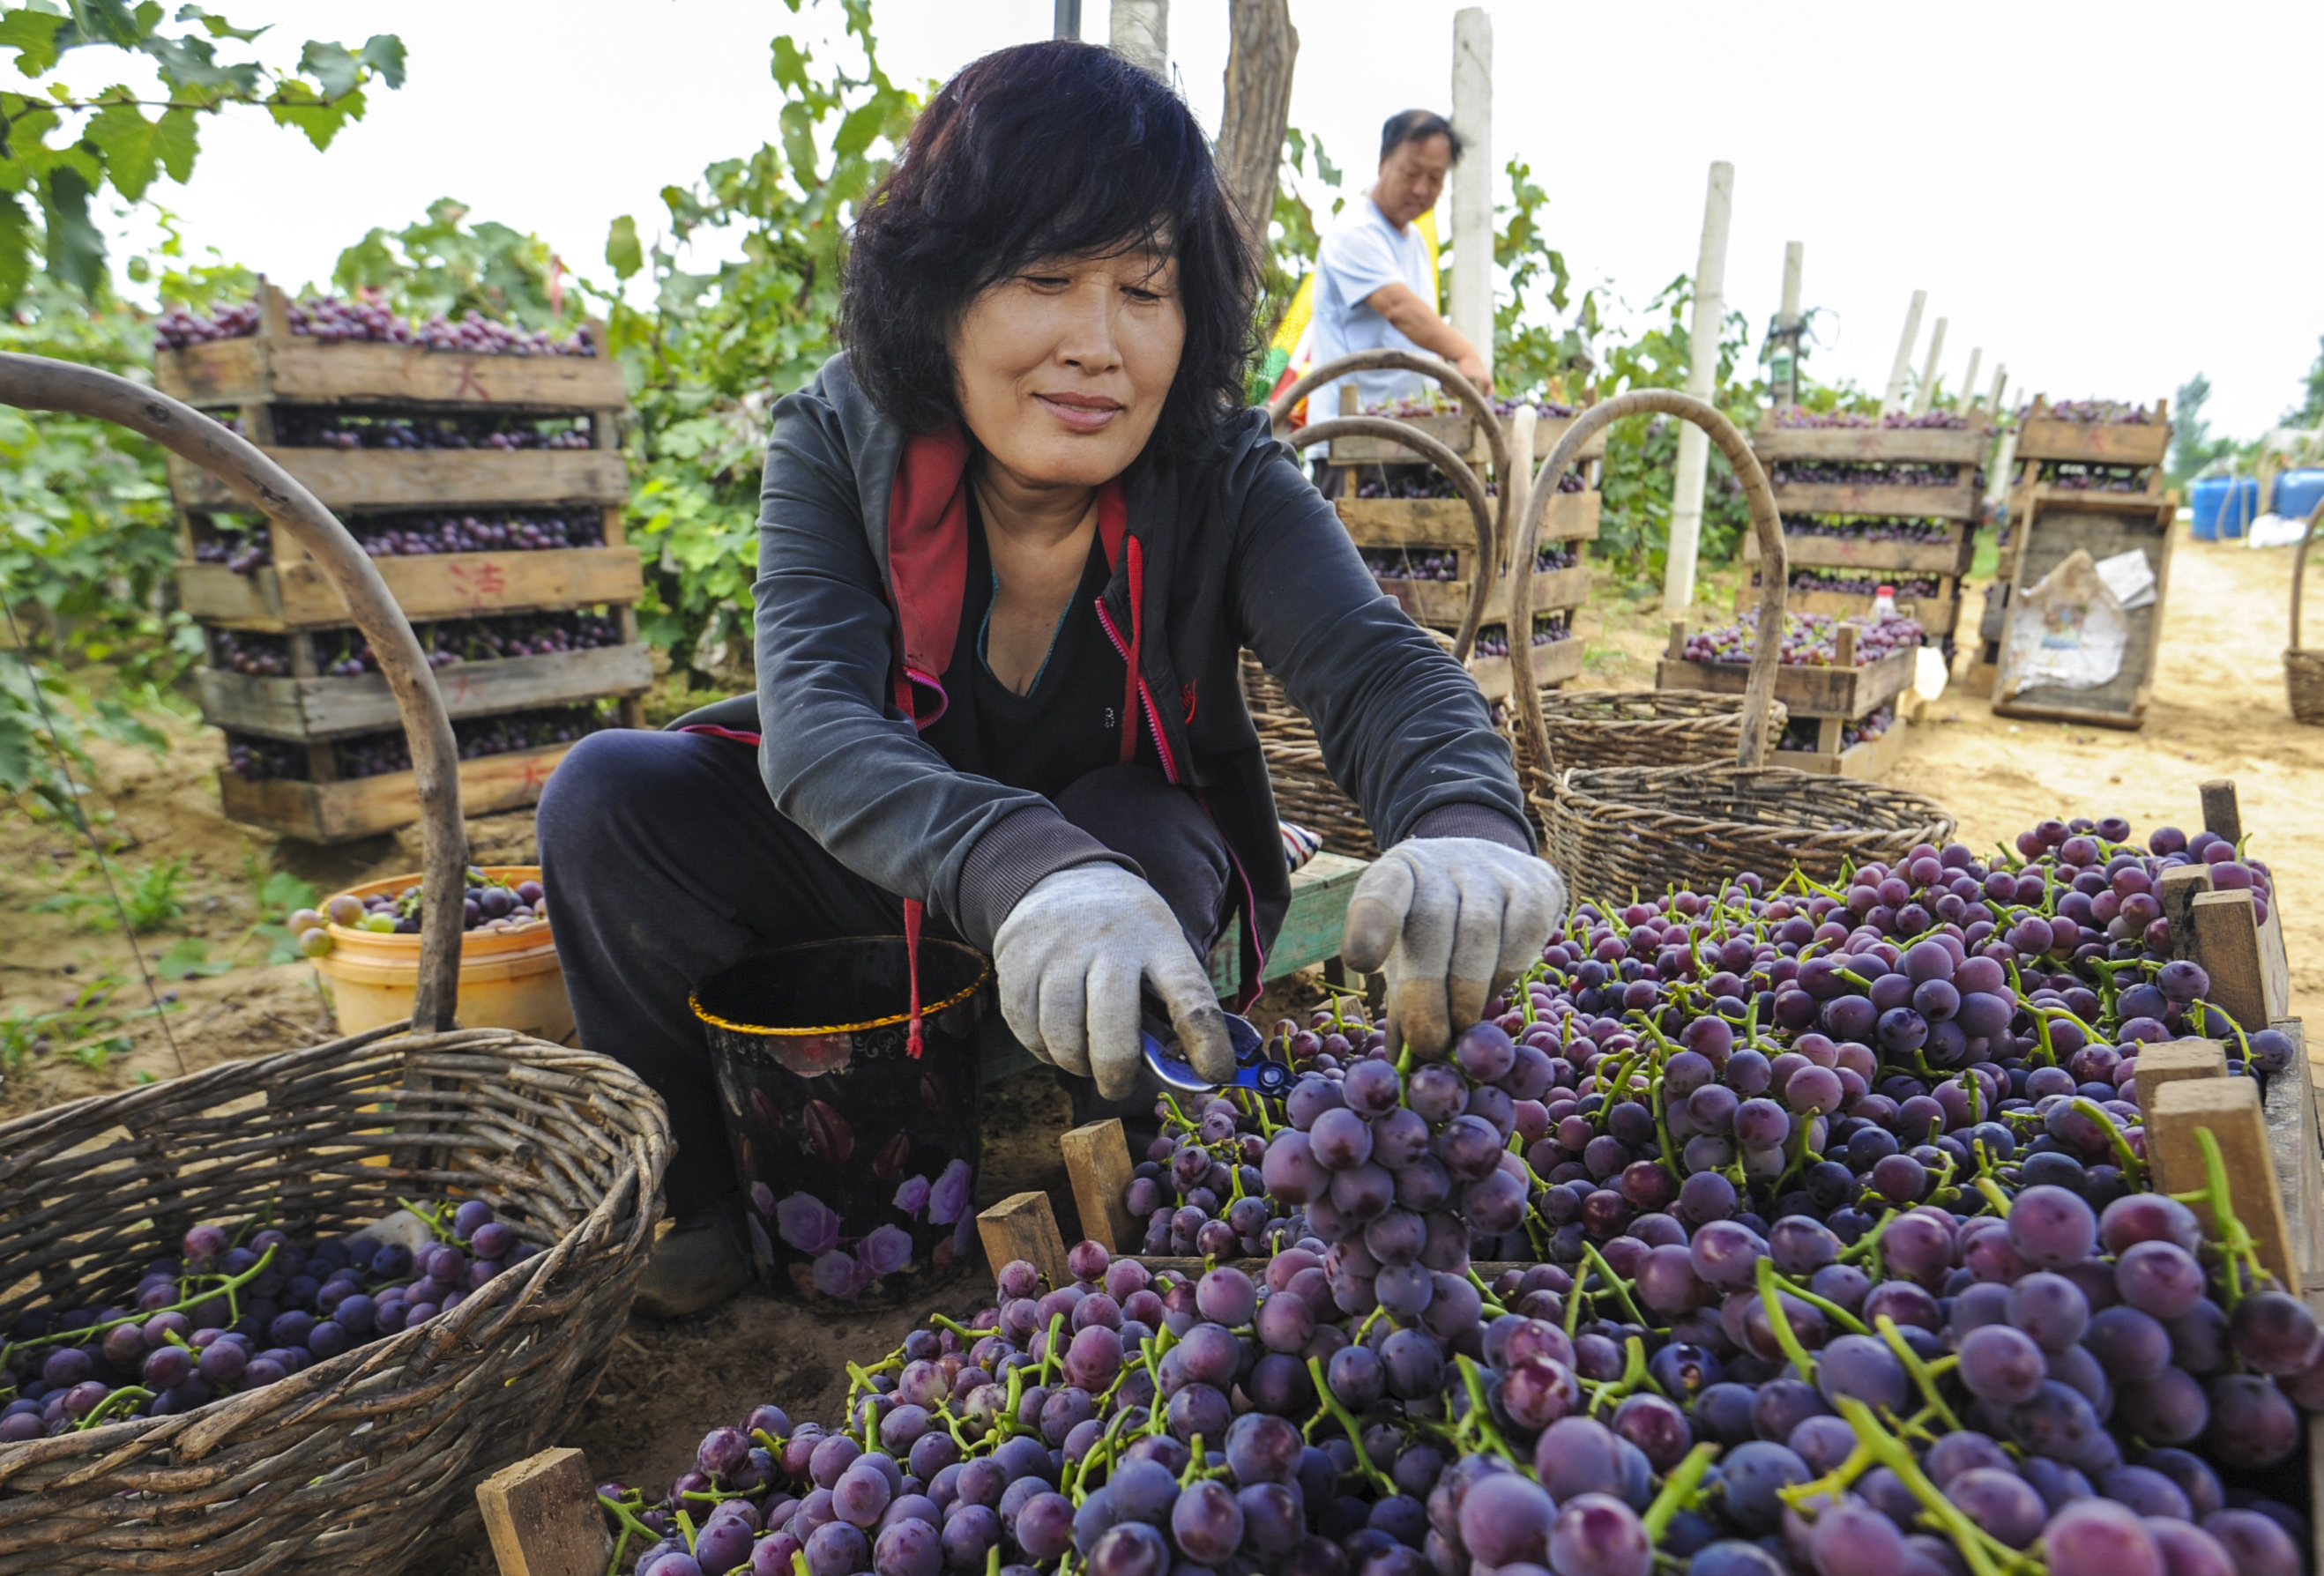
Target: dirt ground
x=2218 y=711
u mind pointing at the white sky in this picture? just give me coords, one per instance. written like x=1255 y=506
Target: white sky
x=2108 y=199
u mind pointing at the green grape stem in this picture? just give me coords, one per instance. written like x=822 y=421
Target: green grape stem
x=1678 y=1490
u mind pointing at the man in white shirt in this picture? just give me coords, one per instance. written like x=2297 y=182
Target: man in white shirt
x=1375 y=288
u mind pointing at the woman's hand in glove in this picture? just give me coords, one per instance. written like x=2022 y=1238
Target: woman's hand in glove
x=1452 y=920
x=1072 y=956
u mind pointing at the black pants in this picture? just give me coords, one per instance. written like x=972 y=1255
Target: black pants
x=666 y=861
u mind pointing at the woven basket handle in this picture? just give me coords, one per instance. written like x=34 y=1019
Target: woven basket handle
x=2300 y=569
x=36 y=382
x=1472 y=492
x=1774 y=571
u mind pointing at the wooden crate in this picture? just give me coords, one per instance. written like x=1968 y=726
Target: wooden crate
x=1939 y=614
x=2054 y=524
x=295 y=595
x=1446 y=522
x=1924 y=446
x=346 y=480
x=1868 y=761
x=1844 y=692
x=1444 y=603
x=1462 y=436
x=363 y=806
x=1312 y=925
x=1555 y=662
x=1949 y=556
x=276 y=366
x=1959 y=501
x=2043 y=437
x=305 y=709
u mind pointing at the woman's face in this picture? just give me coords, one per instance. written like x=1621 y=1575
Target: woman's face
x=1062 y=369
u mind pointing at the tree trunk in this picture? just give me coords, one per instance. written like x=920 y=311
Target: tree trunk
x=1258 y=103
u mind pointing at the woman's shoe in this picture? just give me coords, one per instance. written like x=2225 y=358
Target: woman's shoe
x=698 y=1263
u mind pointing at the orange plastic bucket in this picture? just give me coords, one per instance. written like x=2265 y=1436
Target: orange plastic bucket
x=509 y=978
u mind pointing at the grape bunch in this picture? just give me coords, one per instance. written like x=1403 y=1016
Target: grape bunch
x=1802 y=733
x=245 y=549
x=1437 y=403
x=2095 y=413
x=328 y=426
x=1796 y=416
x=1810 y=640
x=1868 y=474
x=254 y=656
x=493 y=904
x=1548 y=628
x=2080 y=477
x=482 y=639
x=1869 y=528
x=1864 y=583
x=256 y=759
x=331 y=318
x=240 y=1308
x=1413 y=564
x=397 y=536
x=377 y=754
x=1556 y=555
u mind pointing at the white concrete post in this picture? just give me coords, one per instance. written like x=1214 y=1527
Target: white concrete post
x=1472 y=179
x=1703 y=371
x=1967 y=399
x=1140 y=29
x=1928 y=389
x=1903 y=364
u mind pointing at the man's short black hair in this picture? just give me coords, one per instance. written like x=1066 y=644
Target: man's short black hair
x=1047 y=150
x=1417 y=125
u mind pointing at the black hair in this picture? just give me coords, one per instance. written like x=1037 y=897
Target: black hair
x=1046 y=149
x=1417 y=125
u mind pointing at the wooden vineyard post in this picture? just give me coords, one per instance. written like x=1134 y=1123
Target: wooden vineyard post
x=2229 y=1110
x=1097 y=1161
x=2174 y=1060
x=541 y=1515
x=1023 y=1226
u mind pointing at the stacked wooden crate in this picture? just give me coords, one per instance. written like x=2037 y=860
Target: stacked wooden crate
x=2089 y=478
x=1397 y=535
x=286 y=679
x=1854 y=523
x=1840 y=698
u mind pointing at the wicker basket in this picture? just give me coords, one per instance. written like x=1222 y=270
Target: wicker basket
x=1597 y=729
x=356 y=1463
x=2303 y=671
x=1632 y=829
x=1625 y=834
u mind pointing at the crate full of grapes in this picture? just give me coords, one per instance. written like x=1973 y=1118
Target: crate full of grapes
x=1829 y=668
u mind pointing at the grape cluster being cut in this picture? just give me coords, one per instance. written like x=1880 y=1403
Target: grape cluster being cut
x=1863 y=583
x=1894 y=421
x=1804 y=732
x=1838 y=1254
x=1869 y=528
x=331 y=318
x=1869 y=473
x=493 y=904
x=1810 y=640
x=1548 y=628
x=377 y=754
x=242 y=1307
x=327 y=426
x=2070 y=473
x=2095 y=413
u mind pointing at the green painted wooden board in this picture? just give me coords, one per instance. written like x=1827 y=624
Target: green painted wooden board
x=1311 y=931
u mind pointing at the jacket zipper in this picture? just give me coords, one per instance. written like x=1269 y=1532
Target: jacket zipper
x=1145 y=697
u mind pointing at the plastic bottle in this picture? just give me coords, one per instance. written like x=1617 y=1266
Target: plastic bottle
x=1883 y=603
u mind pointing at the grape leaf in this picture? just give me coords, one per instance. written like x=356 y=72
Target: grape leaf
x=217 y=26
x=333 y=65
x=790 y=64
x=32 y=35
x=857 y=132
x=75 y=246
x=192 y=63
x=384 y=53
x=189 y=958
x=285 y=893
x=281 y=943
x=622 y=254
x=15 y=267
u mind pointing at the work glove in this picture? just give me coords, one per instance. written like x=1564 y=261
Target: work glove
x=1072 y=957
x=1453 y=921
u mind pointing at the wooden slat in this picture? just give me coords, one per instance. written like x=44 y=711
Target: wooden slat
x=2226 y=945
x=1868 y=761
x=1847 y=693
x=2229 y=1108
x=1937 y=615
x=1312 y=925
x=2222 y=816
x=1557 y=662
x=2170 y=1061
x=2288 y=1104
x=1023 y=1226
x=1446 y=522
x=2181 y=886
x=1958 y=501
x=1461 y=435
x=439 y=586
x=1951 y=557
x=2049 y=530
x=427 y=478
x=1912 y=446
x=300 y=709
x=2046 y=437
x=1444 y=603
x=340 y=812
x=541 y=1515
x=297 y=370
x=1098 y=1166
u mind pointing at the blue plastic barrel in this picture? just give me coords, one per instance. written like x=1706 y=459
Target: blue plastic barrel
x=2298 y=492
x=2223 y=506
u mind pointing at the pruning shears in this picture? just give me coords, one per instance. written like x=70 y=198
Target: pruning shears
x=1254 y=1069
